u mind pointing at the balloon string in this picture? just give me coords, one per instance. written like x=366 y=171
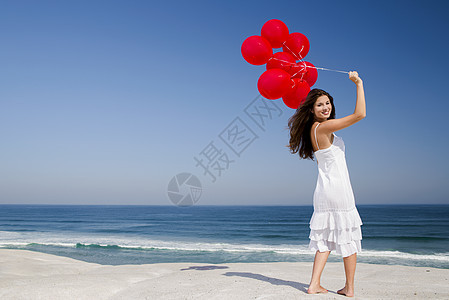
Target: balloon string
x=301 y=71
x=299 y=58
x=318 y=68
x=284 y=61
x=302 y=75
x=325 y=69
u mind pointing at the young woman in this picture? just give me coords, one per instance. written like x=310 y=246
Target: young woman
x=335 y=223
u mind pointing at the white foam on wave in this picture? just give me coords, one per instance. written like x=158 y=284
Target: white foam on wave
x=403 y=255
x=21 y=239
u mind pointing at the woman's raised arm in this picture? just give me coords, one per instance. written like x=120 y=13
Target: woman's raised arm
x=333 y=125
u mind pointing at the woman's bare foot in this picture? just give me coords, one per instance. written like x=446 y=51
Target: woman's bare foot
x=345 y=291
x=316 y=290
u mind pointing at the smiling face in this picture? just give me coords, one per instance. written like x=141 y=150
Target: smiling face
x=322 y=108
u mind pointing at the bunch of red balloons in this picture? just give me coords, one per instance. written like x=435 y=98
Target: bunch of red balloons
x=287 y=75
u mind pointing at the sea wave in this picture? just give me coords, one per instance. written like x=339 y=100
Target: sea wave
x=23 y=239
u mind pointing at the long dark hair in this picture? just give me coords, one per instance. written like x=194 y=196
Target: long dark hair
x=301 y=123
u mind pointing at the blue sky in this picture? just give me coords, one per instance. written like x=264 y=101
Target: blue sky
x=103 y=102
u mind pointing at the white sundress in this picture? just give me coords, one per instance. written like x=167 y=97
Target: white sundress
x=335 y=223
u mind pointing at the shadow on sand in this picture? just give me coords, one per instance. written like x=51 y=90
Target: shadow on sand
x=297 y=285
x=205 y=268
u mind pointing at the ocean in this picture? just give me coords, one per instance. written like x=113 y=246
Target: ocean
x=411 y=235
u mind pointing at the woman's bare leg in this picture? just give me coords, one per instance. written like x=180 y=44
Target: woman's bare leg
x=318 y=266
x=350 y=263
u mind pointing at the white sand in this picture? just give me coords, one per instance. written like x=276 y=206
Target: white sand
x=34 y=275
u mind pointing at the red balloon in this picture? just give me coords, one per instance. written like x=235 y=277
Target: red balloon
x=297 y=45
x=273 y=83
x=281 y=60
x=297 y=93
x=311 y=75
x=256 y=50
x=276 y=32
x=305 y=70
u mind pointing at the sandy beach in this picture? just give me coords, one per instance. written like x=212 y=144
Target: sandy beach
x=33 y=275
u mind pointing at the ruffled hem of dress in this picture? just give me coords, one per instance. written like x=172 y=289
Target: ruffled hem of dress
x=335 y=219
x=341 y=249
x=341 y=237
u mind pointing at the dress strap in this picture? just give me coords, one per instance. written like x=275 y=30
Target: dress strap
x=316 y=141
